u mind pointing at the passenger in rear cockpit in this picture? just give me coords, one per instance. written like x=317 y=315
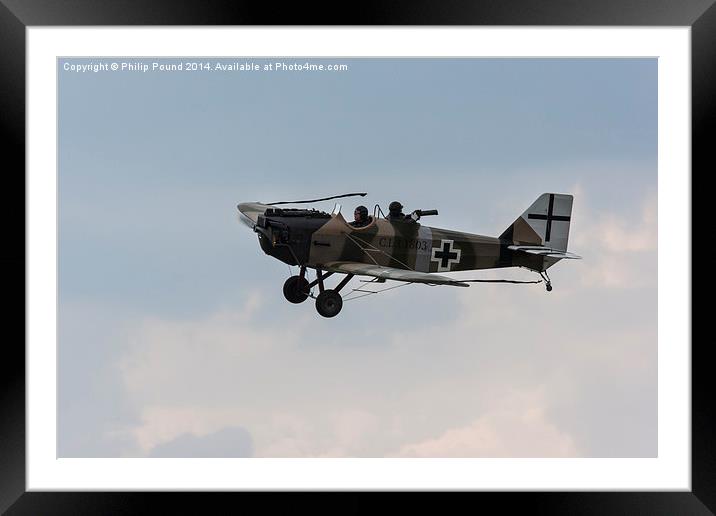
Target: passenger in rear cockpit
x=395 y=213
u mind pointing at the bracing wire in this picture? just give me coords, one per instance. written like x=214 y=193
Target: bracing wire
x=368 y=293
x=352 y=237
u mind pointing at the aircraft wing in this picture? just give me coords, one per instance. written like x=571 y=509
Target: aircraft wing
x=391 y=273
x=544 y=251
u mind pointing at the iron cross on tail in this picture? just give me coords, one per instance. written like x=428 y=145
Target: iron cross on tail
x=399 y=248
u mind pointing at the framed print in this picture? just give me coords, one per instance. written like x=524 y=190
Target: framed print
x=160 y=353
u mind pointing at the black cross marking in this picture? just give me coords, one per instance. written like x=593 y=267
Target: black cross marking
x=445 y=255
x=549 y=217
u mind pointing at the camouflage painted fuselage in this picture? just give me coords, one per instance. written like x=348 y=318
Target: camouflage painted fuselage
x=317 y=238
x=405 y=245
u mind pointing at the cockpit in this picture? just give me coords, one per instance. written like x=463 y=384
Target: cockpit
x=354 y=224
x=411 y=218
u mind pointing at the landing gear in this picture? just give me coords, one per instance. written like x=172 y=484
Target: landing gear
x=295 y=290
x=329 y=303
x=547 y=281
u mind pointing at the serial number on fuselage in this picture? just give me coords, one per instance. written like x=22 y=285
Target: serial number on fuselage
x=402 y=243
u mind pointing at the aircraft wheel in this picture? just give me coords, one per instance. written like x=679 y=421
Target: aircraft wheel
x=329 y=303
x=549 y=288
x=295 y=290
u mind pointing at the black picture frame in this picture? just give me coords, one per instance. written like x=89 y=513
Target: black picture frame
x=17 y=15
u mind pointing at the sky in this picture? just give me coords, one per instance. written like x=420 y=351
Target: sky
x=174 y=339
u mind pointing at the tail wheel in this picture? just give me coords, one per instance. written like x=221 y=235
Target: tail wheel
x=329 y=303
x=295 y=290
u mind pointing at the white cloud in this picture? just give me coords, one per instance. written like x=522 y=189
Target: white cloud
x=434 y=387
x=227 y=442
x=341 y=433
x=621 y=235
x=168 y=353
x=619 y=232
x=517 y=428
x=619 y=250
x=163 y=423
x=186 y=375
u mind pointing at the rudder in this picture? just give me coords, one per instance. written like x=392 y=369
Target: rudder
x=545 y=223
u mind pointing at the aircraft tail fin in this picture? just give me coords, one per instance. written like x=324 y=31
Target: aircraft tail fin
x=544 y=223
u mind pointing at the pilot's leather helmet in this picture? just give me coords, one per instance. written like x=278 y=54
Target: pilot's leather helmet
x=363 y=212
x=395 y=207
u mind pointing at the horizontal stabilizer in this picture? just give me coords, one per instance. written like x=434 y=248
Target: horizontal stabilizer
x=544 y=251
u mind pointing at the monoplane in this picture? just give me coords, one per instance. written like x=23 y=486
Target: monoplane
x=400 y=248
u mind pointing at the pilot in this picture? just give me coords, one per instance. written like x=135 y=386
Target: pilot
x=395 y=212
x=360 y=216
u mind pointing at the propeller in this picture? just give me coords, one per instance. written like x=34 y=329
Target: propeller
x=361 y=194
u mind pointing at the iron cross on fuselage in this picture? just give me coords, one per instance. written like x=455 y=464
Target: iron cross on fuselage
x=445 y=255
x=549 y=217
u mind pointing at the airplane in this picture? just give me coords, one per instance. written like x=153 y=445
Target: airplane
x=400 y=248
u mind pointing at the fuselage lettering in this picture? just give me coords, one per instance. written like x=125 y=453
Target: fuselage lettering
x=402 y=243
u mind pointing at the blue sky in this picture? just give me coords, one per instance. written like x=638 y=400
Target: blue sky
x=157 y=278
